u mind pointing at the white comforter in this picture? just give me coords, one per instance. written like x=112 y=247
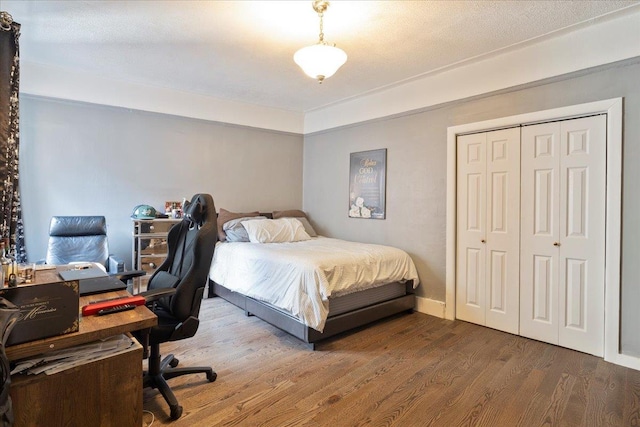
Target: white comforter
x=299 y=277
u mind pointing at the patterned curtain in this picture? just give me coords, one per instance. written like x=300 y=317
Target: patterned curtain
x=11 y=226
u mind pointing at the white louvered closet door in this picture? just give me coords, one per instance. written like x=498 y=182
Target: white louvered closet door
x=563 y=233
x=488 y=227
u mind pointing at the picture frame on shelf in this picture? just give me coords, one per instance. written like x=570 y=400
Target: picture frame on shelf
x=173 y=209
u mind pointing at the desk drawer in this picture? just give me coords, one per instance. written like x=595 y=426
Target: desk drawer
x=149 y=263
x=153 y=246
x=87 y=395
x=156 y=226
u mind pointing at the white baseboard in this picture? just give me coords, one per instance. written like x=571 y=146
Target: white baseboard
x=430 y=306
x=625 y=360
x=437 y=308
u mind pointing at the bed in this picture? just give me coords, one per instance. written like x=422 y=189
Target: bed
x=313 y=287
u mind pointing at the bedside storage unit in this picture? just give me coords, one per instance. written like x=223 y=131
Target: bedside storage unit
x=150 y=242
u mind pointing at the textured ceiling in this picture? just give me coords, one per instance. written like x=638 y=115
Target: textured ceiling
x=243 y=50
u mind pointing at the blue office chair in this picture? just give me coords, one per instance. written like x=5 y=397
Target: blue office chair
x=84 y=239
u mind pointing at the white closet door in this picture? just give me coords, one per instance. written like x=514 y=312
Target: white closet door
x=563 y=233
x=471 y=228
x=503 y=230
x=540 y=229
x=488 y=173
x=582 y=234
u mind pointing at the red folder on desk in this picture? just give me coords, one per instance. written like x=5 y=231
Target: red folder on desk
x=95 y=307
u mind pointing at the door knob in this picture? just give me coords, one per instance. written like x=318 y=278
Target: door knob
x=556 y=243
x=482 y=240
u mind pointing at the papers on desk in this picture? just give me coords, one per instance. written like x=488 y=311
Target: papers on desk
x=56 y=361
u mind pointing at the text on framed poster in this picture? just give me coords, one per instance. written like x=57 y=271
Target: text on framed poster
x=367 y=184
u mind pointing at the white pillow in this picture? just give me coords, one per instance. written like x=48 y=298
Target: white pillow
x=235 y=231
x=307 y=226
x=275 y=230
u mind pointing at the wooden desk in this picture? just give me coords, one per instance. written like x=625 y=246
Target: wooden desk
x=105 y=392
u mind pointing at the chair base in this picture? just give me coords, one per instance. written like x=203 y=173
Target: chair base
x=160 y=372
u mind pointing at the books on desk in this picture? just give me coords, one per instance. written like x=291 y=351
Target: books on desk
x=57 y=361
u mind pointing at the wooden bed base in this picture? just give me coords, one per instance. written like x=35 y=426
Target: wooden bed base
x=334 y=325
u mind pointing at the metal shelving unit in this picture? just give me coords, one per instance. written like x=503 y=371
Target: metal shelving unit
x=150 y=242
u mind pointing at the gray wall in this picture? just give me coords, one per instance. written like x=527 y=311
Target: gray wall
x=86 y=159
x=79 y=158
x=416 y=174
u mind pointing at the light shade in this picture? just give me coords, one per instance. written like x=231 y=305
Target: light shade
x=320 y=61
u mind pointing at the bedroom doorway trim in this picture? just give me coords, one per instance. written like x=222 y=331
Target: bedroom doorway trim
x=613 y=109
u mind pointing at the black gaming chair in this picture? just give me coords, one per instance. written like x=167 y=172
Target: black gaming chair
x=182 y=276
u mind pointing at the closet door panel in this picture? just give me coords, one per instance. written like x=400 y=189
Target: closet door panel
x=474 y=269
x=503 y=229
x=540 y=150
x=582 y=219
x=575 y=282
x=542 y=289
x=543 y=184
x=471 y=228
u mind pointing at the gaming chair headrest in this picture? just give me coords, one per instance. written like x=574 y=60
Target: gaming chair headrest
x=195 y=210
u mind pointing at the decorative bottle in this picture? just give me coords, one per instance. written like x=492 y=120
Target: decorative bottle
x=6 y=265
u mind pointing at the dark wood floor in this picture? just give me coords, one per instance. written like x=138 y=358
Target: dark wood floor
x=410 y=370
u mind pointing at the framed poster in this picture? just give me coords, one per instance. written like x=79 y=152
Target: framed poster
x=367 y=184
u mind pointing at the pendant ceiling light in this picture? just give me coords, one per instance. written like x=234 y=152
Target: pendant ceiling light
x=321 y=60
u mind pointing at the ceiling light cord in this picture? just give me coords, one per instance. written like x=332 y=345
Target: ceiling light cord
x=321 y=35
x=321 y=16
x=320 y=6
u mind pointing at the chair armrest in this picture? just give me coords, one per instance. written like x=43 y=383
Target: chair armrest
x=156 y=294
x=126 y=275
x=115 y=264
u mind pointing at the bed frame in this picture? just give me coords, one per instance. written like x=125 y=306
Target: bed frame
x=335 y=324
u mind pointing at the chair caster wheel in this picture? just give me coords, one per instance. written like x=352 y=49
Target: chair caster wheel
x=212 y=377
x=176 y=412
x=174 y=362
